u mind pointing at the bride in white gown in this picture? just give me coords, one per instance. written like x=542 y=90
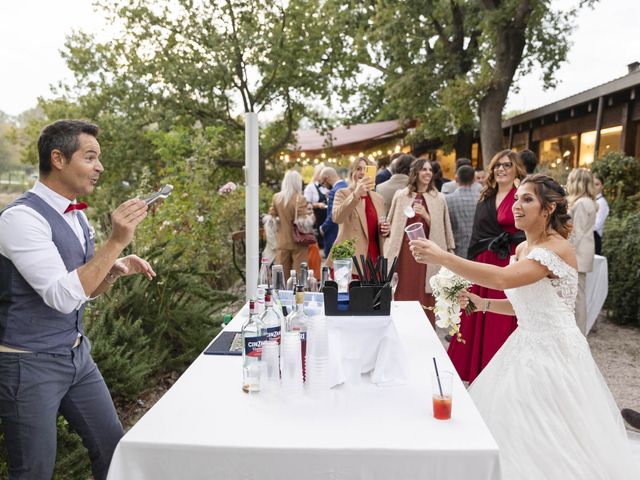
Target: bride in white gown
x=542 y=394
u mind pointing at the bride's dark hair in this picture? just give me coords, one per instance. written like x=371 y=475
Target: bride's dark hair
x=549 y=192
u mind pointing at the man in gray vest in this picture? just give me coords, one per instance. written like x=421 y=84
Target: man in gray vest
x=48 y=271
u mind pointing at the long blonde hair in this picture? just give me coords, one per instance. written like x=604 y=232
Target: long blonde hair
x=580 y=184
x=490 y=185
x=354 y=166
x=291 y=185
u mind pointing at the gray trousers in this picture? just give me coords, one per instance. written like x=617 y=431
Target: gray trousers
x=34 y=387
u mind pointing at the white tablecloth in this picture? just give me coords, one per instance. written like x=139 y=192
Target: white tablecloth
x=206 y=427
x=596 y=289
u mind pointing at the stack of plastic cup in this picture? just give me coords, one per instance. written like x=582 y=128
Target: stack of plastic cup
x=270 y=378
x=317 y=361
x=291 y=364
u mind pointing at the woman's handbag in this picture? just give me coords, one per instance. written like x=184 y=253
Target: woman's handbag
x=301 y=237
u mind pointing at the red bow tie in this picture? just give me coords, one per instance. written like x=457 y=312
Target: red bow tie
x=76 y=206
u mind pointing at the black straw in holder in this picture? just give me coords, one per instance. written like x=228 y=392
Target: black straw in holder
x=355 y=261
x=392 y=270
x=437 y=376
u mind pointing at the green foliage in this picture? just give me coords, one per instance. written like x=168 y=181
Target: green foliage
x=621 y=246
x=345 y=249
x=72 y=459
x=437 y=60
x=621 y=175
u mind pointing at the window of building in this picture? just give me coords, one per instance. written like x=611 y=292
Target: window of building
x=609 y=142
x=559 y=154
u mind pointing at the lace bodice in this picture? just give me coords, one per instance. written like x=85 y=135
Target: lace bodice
x=549 y=303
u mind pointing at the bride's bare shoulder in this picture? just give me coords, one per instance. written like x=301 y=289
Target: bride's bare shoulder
x=563 y=248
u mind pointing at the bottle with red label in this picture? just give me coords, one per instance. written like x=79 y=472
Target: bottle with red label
x=271 y=320
x=251 y=350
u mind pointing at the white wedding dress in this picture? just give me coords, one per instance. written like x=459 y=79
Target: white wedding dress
x=542 y=394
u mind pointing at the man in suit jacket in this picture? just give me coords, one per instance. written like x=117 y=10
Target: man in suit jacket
x=462 y=208
x=330 y=179
x=48 y=271
x=400 y=169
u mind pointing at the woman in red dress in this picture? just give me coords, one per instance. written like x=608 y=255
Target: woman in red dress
x=432 y=212
x=494 y=240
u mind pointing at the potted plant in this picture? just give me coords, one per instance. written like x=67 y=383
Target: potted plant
x=341 y=254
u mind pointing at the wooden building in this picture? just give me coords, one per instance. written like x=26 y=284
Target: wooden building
x=574 y=131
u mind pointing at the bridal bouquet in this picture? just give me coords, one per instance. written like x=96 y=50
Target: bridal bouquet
x=446 y=287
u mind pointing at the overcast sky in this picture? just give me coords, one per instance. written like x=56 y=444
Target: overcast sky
x=32 y=33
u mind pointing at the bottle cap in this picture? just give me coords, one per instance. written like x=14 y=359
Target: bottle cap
x=227 y=318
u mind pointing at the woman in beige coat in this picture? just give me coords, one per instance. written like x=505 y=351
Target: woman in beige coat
x=356 y=210
x=283 y=206
x=582 y=208
x=431 y=210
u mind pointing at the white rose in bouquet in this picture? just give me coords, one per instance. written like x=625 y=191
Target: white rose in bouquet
x=446 y=287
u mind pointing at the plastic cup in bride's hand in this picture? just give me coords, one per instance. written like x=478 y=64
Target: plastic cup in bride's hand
x=415 y=231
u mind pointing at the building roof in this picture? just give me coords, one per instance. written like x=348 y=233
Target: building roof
x=342 y=138
x=628 y=81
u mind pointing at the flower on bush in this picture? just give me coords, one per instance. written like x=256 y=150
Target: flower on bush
x=227 y=188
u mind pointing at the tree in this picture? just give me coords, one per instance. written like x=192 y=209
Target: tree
x=448 y=63
x=207 y=62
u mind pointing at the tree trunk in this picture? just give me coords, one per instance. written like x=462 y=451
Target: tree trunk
x=464 y=142
x=510 y=40
x=491 y=138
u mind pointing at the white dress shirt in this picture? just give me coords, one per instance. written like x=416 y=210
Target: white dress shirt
x=601 y=214
x=26 y=239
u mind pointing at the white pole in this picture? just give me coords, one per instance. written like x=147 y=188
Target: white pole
x=251 y=202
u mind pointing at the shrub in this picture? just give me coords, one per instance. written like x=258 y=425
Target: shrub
x=621 y=181
x=621 y=246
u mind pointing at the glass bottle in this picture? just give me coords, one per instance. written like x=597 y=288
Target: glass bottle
x=312 y=283
x=251 y=351
x=299 y=321
x=271 y=320
x=304 y=273
x=264 y=281
x=293 y=280
x=324 y=276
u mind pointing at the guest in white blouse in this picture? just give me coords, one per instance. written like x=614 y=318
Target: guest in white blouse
x=602 y=214
x=582 y=207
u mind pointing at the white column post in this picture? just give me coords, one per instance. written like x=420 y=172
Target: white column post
x=251 y=202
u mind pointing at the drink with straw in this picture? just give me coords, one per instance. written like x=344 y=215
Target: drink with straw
x=441 y=387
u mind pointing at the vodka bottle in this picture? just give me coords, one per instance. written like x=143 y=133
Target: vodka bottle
x=293 y=280
x=251 y=351
x=271 y=319
x=298 y=321
x=312 y=283
x=304 y=273
x=264 y=281
x=324 y=276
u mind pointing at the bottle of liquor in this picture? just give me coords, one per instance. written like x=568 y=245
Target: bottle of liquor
x=293 y=280
x=312 y=283
x=304 y=274
x=264 y=281
x=299 y=321
x=251 y=351
x=271 y=320
x=324 y=276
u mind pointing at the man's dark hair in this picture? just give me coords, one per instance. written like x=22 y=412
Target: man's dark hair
x=529 y=160
x=383 y=162
x=61 y=135
x=402 y=164
x=437 y=169
x=462 y=161
x=465 y=175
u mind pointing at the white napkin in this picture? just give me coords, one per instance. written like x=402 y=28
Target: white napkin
x=373 y=341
